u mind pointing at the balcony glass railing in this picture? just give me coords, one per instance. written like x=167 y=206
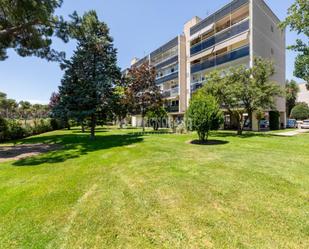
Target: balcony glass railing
x=220 y=37
x=172 y=108
x=173 y=92
x=167 y=78
x=221 y=59
x=226 y=10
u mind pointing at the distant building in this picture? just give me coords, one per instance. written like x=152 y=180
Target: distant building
x=303 y=95
x=229 y=37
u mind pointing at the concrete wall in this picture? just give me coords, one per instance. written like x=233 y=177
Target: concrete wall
x=268 y=41
x=182 y=74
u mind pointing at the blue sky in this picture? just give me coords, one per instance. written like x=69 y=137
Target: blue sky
x=138 y=27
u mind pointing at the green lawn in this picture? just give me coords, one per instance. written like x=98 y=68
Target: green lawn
x=157 y=191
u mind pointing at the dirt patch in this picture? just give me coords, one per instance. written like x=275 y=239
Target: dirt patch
x=17 y=152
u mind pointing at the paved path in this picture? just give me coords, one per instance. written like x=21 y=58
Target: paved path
x=292 y=133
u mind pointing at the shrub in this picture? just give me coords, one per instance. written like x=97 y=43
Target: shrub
x=204 y=114
x=3 y=129
x=300 y=111
x=16 y=130
x=274 y=123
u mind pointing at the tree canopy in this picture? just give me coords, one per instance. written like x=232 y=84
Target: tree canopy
x=300 y=111
x=28 y=27
x=87 y=86
x=204 y=114
x=291 y=91
x=241 y=90
x=143 y=91
x=298 y=20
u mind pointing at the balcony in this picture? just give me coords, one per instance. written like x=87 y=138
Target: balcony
x=170 y=93
x=195 y=86
x=175 y=91
x=220 y=37
x=226 y=10
x=168 y=77
x=172 y=108
x=221 y=59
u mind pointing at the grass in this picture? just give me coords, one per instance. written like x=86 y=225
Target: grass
x=128 y=190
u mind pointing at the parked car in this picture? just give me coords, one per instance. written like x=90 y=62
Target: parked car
x=264 y=124
x=305 y=124
x=291 y=123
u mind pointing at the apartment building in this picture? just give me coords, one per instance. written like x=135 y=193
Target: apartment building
x=231 y=36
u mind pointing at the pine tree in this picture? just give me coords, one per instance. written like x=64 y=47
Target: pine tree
x=87 y=87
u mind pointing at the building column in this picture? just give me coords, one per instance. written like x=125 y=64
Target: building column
x=255 y=122
x=283 y=120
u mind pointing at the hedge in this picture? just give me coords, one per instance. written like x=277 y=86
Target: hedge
x=14 y=129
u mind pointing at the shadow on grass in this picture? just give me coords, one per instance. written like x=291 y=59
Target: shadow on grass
x=246 y=134
x=74 y=146
x=209 y=142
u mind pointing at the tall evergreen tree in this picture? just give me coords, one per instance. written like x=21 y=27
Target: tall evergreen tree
x=87 y=86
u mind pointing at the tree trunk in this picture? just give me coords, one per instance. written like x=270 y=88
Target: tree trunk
x=120 y=123
x=92 y=130
x=240 y=124
x=250 y=116
x=83 y=128
x=143 y=123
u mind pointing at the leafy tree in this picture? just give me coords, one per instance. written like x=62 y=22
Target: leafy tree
x=121 y=101
x=24 y=110
x=28 y=27
x=9 y=107
x=300 y=111
x=155 y=116
x=204 y=114
x=143 y=91
x=291 y=90
x=58 y=111
x=87 y=86
x=242 y=90
x=298 y=20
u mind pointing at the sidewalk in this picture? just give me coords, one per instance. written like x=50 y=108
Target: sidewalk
x=292 y=133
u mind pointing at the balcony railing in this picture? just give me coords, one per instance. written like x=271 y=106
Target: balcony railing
x=172 y=108
x=221 y=59
x=173 y=92
x=167 y=78
x=220 y=37
x=226 y=10
x=196 y=86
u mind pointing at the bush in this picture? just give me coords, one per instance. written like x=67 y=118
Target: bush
x=300 y=111
x=16 y=130
x=3 y=129
x=204 y=114
x=274 y=123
